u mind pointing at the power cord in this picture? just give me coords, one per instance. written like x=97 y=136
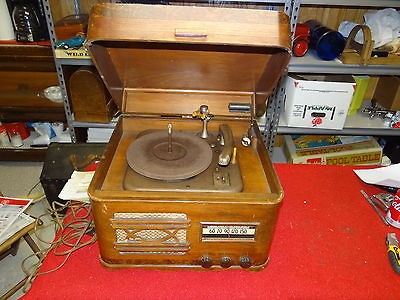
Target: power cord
x=70 y=229
x=35 y=197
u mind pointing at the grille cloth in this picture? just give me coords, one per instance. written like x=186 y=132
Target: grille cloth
x=138 y=236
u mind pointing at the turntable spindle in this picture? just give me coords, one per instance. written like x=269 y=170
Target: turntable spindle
x=204 y=115
x=169 y=137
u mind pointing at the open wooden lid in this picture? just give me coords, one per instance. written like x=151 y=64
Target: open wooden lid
x=162 y=60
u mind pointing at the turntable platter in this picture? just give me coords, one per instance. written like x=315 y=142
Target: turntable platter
x=153 y=156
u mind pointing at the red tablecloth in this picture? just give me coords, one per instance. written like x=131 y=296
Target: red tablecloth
x=328 y=244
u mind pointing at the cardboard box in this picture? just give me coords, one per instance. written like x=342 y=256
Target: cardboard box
x=318 y=101
x=387 y=92
x=331 y=150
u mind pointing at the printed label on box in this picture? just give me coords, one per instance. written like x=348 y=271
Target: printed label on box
x=322 y=104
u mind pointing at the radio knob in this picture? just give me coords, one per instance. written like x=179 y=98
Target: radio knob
x=206 y=262
x=245 y=262
x=226 y=262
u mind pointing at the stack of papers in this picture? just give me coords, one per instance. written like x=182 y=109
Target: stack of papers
x=22 y=221
x=77 y=186
x=10 y=210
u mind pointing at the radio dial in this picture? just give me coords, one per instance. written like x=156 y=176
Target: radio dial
x=226 y=262
x=206 y=262
x=245 y=262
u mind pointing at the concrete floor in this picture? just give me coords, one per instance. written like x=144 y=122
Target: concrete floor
x=16 y=180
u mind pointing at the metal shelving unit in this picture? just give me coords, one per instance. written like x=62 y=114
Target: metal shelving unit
x=59 y=67
x=310 y=64
x=61 y=63
x=360 y=124
x=271 y=124
x=75 y=61
x=356 y=3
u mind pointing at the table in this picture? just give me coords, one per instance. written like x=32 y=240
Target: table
x=329 y=243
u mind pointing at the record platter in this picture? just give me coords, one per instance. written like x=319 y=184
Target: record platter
x=183 y=161
x=186 y=181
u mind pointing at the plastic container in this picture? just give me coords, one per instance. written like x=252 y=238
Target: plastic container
x=301 y=40
x=328 y=43
x=4 y=139
x=19 y=127
x=15 y=138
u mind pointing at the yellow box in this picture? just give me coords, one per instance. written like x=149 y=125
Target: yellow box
x=359 y=94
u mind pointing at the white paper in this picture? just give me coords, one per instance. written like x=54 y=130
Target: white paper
x=22 y=221
x=76 y=187
x=10 y=209
x=386 y=176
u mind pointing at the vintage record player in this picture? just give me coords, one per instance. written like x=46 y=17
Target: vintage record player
x=186 y=181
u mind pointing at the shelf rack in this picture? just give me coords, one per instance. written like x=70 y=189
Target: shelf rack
x=310 y=64
x=271 y=124
x=62 y=62
x=359 y=124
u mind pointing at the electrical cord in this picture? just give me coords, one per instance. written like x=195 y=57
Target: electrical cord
x=72 y=221
x=36 y=197
x=70 y=229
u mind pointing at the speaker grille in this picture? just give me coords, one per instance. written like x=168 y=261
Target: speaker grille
x=151 y=233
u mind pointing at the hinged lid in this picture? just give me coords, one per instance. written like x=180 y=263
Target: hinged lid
x=163 y=60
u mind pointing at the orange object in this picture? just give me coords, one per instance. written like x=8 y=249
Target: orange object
x=301 y=40
x=71 y=26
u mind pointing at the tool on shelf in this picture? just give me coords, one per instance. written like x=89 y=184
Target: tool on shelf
x=390 y=117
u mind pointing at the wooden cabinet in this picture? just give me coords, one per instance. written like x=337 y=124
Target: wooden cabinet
x=25 y=71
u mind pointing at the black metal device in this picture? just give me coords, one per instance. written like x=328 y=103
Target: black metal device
x=28 y=20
